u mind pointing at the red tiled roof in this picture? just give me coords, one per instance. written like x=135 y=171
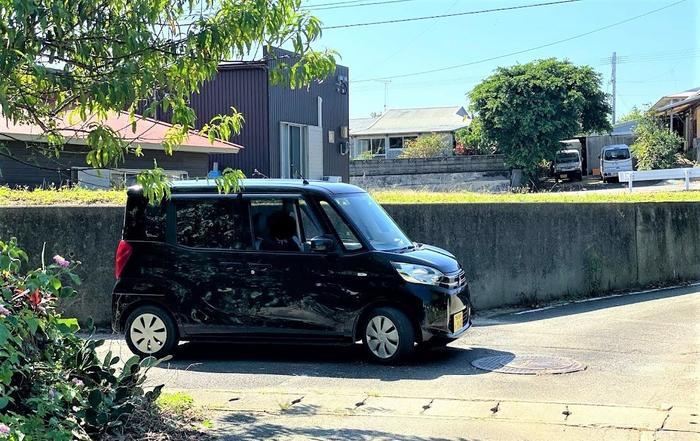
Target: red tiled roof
x=149 y=133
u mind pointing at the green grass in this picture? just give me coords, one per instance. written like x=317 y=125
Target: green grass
x=62 y=196
x=177 y=403
x=464 y=197
x=80 y=196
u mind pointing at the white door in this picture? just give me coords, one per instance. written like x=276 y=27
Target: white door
x=315 y=159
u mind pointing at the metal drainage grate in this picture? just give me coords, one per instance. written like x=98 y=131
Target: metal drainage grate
x=528 y=364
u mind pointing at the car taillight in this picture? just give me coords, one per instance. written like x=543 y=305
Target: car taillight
x=123 y=253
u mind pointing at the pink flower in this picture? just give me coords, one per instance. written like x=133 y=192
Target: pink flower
x=78 y=382
x=60 y=261
x=4 y=430
x=4 y=312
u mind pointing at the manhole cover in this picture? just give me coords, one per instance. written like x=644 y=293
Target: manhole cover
x=528 y=364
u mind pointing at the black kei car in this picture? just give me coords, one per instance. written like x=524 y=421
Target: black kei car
x=282 y=261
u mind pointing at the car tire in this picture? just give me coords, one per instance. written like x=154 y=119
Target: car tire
x=151 y=332
x=388 y=335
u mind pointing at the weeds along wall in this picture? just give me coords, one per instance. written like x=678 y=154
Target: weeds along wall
x=513 y=254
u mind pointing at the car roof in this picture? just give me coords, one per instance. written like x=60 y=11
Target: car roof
x=568 y=151
x=615 y=146
x=260 y=186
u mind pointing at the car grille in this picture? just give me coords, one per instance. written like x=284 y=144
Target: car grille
x=453 y=281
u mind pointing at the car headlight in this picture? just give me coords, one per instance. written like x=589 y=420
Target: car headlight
x=418 y=273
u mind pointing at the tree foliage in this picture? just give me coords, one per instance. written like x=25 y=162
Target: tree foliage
x=95 y=57
x=472 y=140
x=635 y=114
x=655 y=147
x=527 y=109
x=432 y=145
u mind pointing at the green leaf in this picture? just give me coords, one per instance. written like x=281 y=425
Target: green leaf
x=75 y=279
x=71 y=324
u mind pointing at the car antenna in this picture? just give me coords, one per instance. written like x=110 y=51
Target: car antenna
x=258 y=174
x=303 y=179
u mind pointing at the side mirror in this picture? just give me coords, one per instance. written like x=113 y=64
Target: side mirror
x=322 y=244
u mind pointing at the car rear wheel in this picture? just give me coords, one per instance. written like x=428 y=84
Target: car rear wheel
x=388 y=335
x=150 y=331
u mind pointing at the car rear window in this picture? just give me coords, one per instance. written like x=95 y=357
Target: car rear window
x=616 y=154
x=144 y=221
x=213 y=223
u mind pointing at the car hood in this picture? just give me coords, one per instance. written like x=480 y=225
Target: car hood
x=430 y=256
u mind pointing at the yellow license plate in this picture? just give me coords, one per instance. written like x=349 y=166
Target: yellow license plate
x=458 y=321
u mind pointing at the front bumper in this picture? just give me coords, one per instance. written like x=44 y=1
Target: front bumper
x=439 y=321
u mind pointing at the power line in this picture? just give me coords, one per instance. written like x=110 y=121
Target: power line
x=314 y=5
x=355 y=5
x=456 y=14
x=498 y=57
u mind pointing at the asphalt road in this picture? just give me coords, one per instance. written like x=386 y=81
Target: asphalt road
x=594 y=183
x=641 y=351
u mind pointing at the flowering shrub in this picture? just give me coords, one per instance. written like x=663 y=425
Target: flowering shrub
x=52 y=383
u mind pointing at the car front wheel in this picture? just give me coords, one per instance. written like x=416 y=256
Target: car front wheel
x=150 y=331
x=388 y=335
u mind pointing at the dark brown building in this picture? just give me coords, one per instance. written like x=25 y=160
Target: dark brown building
x=287 y=133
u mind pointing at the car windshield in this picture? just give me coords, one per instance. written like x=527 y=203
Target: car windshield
x=566 y=157
x=374 y=223
x=616 y=154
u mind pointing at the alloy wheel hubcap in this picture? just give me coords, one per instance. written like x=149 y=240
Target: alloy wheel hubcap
x=148 y=333
x=382 y=337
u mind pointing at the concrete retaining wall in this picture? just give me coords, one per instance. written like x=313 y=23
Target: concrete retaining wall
x=472 y=173
x=512 y=253
x=450 y=164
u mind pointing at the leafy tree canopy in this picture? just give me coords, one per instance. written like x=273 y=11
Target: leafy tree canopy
x=656 y=146
x=528 y=108
x=92 y=57
x=473 y=140
x=635 y=114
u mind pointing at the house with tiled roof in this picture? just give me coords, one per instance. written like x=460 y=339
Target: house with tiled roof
x=386 y=135
x=25 y=158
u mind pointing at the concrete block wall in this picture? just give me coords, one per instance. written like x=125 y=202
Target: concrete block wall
x=450 y=164
x=512 y=253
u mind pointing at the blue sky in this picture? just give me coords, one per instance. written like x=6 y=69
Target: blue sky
x=660 y=53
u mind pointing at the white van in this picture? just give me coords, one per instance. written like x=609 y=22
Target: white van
x=614 y=159
x=567 y=165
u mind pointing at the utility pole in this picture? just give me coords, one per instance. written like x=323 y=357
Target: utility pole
x=613 y=80
x=386 y=91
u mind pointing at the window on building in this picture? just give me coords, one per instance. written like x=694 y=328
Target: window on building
x=396 y=143
x=213 y=223
x=378 y=146
x=375 y=146
x=294 y=156
x=407 y=139
x=399 y=142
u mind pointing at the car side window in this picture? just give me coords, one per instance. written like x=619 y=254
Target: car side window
x=347 y=237
x=275 y=225
x=213 y=223
x=309 y=225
